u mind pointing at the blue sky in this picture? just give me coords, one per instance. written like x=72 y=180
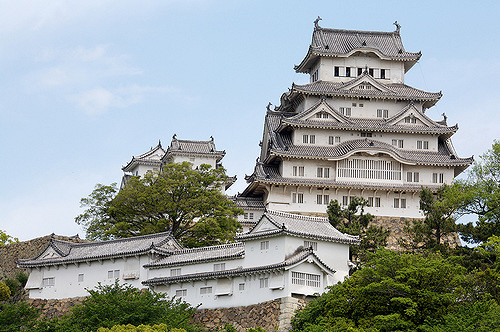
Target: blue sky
x=84 y=85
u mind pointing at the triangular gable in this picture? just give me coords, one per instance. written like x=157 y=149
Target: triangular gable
x=416 y=118
x=363 y=81
x=321 y=107
x=312 y=259
x=49 y=253
x=263 y=225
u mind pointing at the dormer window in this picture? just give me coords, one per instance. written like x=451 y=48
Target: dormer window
x=322 y=115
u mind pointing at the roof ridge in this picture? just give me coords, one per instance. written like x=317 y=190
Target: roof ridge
x=208 y=248
x=297 y=216
x=126 y=239
x=359 y=31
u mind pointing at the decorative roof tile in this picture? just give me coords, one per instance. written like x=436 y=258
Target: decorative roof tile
x=195 y=148
x=203 y=254
x=248 y=202
x=77 y=252
x=151 y=158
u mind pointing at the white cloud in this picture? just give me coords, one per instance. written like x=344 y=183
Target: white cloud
x=99 y=100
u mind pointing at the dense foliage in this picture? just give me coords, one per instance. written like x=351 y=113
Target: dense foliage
x=170 y=200
x=6 y=238
x=353 y=220
x=140 y=328
x=406 y=292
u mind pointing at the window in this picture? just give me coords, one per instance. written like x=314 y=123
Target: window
x=298 y=198
x=113 y=274
x=312 y=139
x=423 y=145
x=337 y=139
x=305 y=139
x=191 y=159
x=326 y=199
x=205 y=290
x=353 y=104
x=361 y=105
x=345 y=200
x=358 y=168
x=345 y=111
x=306 y=279
x=336 y=71
x=400 y=203
x=370 y=71
x=370 y=201
x=397 y=143
x=175 y=272
x=222 y=266
x=410 y=119
x=80 y=277
x=314 y=77
x=382 y=113
x=360 y=71
x=412 y=176
x=348 y=72
x=323 y=172
x=319 y=199
x=311 y=244
x=181 y=292
x=436 y=176
x=241 y=286
x=250 y=215
x=264 y=245
x=374 y=201
x=48 y=282
x=308 y=139
x=298 y=170
x=331 y=140
x=110 y=274
x=441 y=177
x=382 y=73
x=366 y=134
x=264 y=282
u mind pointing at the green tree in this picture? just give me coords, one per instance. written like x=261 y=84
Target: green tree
x=433 y=232
x=4 y=291
x=179 y=199
x=392 y=292
x=353 y=220
x=6 y=238
x=479 y=194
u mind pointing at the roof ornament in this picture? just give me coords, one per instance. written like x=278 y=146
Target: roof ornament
x=159 y=142
x=316 y=22
x=283 y=226
x=412 y=102
x=364 y=43
x=398 y=27
x=444 y=117
x=366 y=70
x=269 y=106
x=212 y=138
x=174 y=136
x=371 y=143
x=323 y=98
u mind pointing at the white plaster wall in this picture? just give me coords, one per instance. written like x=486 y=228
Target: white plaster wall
x=196 y=161
x=66 y=278
x=326 y=68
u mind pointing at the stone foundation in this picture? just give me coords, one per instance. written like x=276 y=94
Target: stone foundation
x=273 y=315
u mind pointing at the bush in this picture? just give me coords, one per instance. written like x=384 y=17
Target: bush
x=110 y=305
x=140 y=328
x=17 y=317
x=4 y=291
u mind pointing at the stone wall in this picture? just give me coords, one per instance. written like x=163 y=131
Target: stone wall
x=55 y=308
x=10 y=253
x=273 y=315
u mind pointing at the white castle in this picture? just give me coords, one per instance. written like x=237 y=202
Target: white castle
x=355 y=130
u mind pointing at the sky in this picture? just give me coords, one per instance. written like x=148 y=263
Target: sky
x=85 y=85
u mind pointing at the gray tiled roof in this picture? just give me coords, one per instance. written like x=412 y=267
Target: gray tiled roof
x=151 y=157
x=197 y=148
x=338 y=42
x=294 y=259
x=382 y=125
x=394 y=91
x=248 y=202
x=299 y=225
x=75 y=252
x=203 y=254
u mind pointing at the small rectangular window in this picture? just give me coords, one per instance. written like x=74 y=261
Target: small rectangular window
x=312 y=139
x=426 y=145
x=434 y=177
x=300 y=198
x=220 y=266
x=353 y=104
x=336 y=71
x=326 y=172
x=360 y=71
x=403 y=203
x=370 y=201
x=345 y=200
x=175 y=272
x=377 y=201
x=117 y=274
x=264 y=282
x=370 y=72
x=382 y=73
x=110 y=274
x=181 y=292
x=311 y=244
x=294 y=197
x=361 y=105
x=294 y=170
x=409 y=177
x=331 y=140
x=348 y=72
x=80 y=277
x=241 y=286
x=337 y=139
x=301 y=170
x=419 y=144
x=441 y=178
x=250 y=215
x=48 y=281
x=416 y=177
x=246 y=215
x=326 y=199
x=319 y=199
x=205 y=290
x=305 y=139
x=264 y=245
x=319 y=173
x=396 y=203
x=366 y=134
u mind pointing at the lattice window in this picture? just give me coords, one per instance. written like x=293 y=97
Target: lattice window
x=219 y=267
x=264 y=282
x=205 y=290
x=369 y=169
x=181 y=292
x=306 y=279
x=311 y=244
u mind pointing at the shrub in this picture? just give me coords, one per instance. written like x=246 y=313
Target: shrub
x=140 y=328
x=17 y=317
x=4 y=291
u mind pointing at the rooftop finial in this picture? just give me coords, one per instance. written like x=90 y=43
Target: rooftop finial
x=212 y=138
x=398 y=27
x=269 y=106
x=175 y=136
x=444 y=117
x=159 y=142
x=316 y=22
